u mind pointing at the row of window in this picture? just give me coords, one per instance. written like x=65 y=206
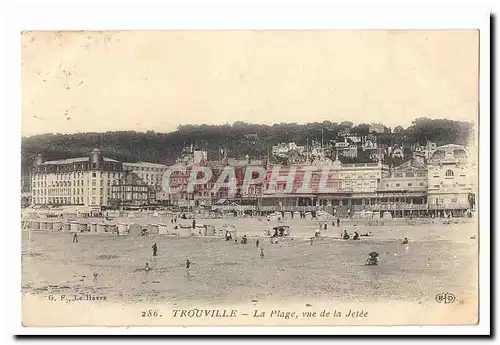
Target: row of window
x=409 y=184
x=68 y=176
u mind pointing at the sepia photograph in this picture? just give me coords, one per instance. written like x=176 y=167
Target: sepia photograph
x=250 y=177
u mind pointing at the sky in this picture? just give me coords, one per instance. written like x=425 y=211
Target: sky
x=90 y=81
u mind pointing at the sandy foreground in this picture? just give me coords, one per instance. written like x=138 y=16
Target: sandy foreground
x=433 y=280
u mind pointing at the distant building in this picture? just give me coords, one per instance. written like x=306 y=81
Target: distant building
x=405 y=184
x=131 y=190
x=377 y=128
x=75 y=181
x=397 y=152
x=150 y=173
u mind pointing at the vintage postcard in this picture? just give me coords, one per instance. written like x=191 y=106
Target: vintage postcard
x=250 y=178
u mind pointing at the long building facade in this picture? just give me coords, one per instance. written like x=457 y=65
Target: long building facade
x=410 y=189
x=95 y=181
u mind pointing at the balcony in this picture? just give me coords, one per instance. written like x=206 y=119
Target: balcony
x=414 y=207
x=267 y=208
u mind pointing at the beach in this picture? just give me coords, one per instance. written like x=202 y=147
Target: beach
x=439 y=258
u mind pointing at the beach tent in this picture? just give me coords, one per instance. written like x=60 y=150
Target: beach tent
x=35 y=225
x=376 y=215
x=308 y=215
x=387 y=215
x=93 y=227
x=78 y=227
x=57 y=226
x=66 y=226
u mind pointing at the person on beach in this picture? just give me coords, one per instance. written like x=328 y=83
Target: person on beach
x=311 y=242
x=75 y=238
x=155 y=249
x=346 y=235
x=262 y=253
x=325 y=226
x=147 y=268
x=372 y=259
x=356 y=236
x=405 y=241
x=257 y=243
x=338 y=222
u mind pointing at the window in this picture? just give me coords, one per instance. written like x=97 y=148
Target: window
x=449 y=173
x=93 y=183
x=93 y=174
x=93 y=190
x=421 y=183
x=410 y=184
x=397 y=184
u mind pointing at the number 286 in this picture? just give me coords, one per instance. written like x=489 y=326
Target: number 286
x=151 y=313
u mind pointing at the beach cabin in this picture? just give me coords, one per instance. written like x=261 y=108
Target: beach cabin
x=25 y=224
x=183 y=231
x=93 y=227
x=78 y=227
x=102 y=227
x=387 y=215
x=65 y=226
x=135 y=229
x=153 y=229
x=209 y=230
x=229 y=231
x=57 y=226
x=43 y=224
x=122 y=229
x=35 y=225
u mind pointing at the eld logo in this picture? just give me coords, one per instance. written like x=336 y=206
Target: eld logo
x=445 y=297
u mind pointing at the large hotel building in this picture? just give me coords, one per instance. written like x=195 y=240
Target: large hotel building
x=94 y=181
